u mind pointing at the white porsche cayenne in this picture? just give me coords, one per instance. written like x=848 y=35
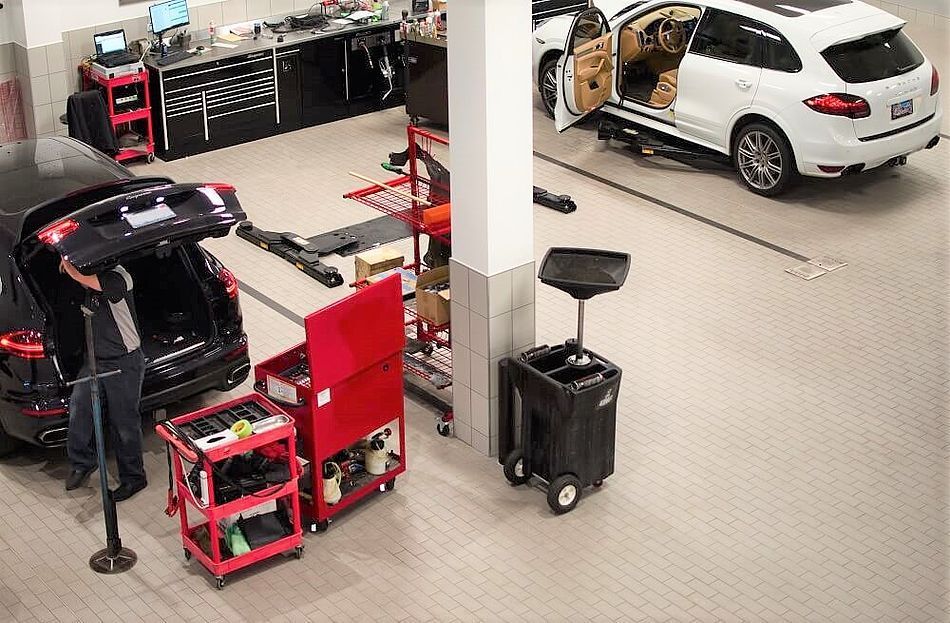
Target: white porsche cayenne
x=784 y=87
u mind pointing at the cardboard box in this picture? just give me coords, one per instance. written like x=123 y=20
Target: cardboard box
x=375 y=261
x=433 y=306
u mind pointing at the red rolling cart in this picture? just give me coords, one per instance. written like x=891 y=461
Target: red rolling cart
x=253 y=408
x=341 y=386
x=133 y=114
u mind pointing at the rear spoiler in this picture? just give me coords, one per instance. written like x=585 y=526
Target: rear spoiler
x=855 y=30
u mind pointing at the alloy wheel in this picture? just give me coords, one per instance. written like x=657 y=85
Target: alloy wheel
x=549 y=88
x=760 y=160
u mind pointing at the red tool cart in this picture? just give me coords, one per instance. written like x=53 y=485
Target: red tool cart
x=344 y=389
x=201 y=441
x=429 y=353
x=130 y=109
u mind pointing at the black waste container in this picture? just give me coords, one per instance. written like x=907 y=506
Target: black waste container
x=568 y=393
x=568 y=421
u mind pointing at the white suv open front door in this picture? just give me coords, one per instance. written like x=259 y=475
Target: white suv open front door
x=586 y=69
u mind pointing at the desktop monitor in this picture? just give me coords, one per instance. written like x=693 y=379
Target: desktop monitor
x=112 y=41
x=168 y=15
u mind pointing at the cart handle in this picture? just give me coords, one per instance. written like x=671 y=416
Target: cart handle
x=261 y=388
x=162 y=431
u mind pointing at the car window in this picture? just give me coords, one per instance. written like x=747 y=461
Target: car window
x=590 y=26
x=728 y=37
x=777 y=53
x=875 y=57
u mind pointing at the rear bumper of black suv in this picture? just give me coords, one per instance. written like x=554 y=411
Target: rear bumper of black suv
x=222 y=366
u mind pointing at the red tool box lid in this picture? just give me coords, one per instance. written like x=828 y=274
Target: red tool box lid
x=355 y=333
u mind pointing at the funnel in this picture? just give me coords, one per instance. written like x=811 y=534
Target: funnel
x=583 y=274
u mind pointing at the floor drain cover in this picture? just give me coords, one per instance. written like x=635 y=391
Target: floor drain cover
x=807 y=271
x=827 y=262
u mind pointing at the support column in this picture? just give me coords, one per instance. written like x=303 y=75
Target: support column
x=492 y=267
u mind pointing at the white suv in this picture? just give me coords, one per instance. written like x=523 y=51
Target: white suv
x=812 y=87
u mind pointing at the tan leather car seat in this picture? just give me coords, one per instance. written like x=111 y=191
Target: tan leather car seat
x=629 y=44
x=669 y=77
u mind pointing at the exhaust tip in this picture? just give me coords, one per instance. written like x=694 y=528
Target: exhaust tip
x=933 y=142
x=52 y=437
x=239 y=373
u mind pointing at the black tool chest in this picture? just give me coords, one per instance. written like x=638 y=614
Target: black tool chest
x=227 y=101
x=216 y=104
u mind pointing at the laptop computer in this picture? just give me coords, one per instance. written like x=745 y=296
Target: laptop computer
x=112 y=49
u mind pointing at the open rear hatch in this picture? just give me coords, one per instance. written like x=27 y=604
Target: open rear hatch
x=131 y=225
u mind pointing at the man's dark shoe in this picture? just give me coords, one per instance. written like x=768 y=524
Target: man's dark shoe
x=125 y=491
x=78 y=478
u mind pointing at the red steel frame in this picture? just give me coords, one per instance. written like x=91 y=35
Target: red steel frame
x=214 y=512
x=354 y=351
x=410 y=211
x=90 y=78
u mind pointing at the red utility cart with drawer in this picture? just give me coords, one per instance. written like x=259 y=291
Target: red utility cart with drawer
x=341 y=386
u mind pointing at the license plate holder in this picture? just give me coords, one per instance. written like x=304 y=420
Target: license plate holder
x=902 y=109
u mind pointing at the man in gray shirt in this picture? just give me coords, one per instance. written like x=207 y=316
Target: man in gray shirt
x=118 y=347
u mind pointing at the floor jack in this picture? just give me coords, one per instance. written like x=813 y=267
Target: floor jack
x=439 y=174
x=297 y=250
x=651 y=144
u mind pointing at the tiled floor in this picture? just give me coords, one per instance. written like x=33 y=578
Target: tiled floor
x=781 y=452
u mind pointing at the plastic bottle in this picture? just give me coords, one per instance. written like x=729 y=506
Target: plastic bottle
x=385 y=14
x=203 y=481
x=211 y=32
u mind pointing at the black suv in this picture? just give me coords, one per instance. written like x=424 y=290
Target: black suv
x=58 y=196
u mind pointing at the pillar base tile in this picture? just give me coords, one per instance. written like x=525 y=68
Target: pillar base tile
x=462 y=404
x=461 y=365
x=500 y=319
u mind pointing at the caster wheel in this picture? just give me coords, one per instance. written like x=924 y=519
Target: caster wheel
x=319 y=526
x=564 y=493
x=150 y=158
x=444 y=428
x=389 y=485
x=428 y=349
x=598 y=483
x=298 y=552
x=187 y=554
x=514 y=468
x=219 y=580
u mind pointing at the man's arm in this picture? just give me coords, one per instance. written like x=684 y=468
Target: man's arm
x=87 y=281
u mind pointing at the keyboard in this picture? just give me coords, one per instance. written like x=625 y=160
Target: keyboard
x=115 y=59
x=174 y=57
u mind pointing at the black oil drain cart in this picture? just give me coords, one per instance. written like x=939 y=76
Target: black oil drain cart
x=568 y=394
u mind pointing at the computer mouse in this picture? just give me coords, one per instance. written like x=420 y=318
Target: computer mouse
x=200 y=48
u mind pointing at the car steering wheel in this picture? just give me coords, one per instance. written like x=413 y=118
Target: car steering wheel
x=671 y=36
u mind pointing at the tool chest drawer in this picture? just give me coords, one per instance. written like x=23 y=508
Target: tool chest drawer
x=207 y=74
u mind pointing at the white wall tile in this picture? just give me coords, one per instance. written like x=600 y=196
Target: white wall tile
x=258 y=9
x=54 y=58
x=234 y=11
x=39 y=89
x=43 y=117
x=36 y=60
x=58 y=88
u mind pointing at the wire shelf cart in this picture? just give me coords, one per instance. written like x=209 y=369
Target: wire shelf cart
x=428 y=352
x=344 y=387
x=218 y=419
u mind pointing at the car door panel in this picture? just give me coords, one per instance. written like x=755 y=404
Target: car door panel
x=706 y=117
x=723 y=59
x=593 y=73
x=585 y=70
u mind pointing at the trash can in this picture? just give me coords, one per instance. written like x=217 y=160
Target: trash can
x=568 y=395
